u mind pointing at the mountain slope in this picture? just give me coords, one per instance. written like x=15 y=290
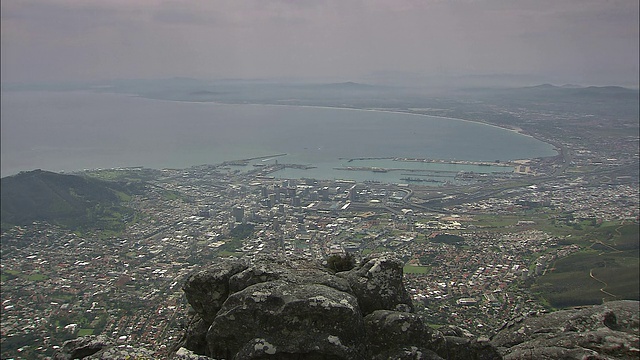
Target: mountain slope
x=67 y=200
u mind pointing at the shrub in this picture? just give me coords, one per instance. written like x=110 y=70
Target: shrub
x=343 y=262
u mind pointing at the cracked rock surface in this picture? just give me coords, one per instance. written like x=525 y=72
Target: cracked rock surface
x=608 y=331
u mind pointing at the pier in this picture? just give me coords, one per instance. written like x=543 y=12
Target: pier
x=438 y=161
x=245 y=162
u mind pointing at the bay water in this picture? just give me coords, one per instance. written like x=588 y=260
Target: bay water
x=70 y=131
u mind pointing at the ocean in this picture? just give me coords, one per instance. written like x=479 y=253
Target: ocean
x=71 y=131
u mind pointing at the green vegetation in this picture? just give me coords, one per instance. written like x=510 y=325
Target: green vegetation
x=125 y=175
x=85 y=332
x=171 y=195
x=342 y=262
x=37 y=277
x=71 y=201
x=9 y=274
x=230 y=248
x=242 y=231
x=124 y=197
x=448 y=239
x=225 y=253
x=12 y=274
x=13 y=343
x=607 y=270
x=416 y=269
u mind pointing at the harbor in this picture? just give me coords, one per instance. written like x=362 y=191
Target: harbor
x=440 y=161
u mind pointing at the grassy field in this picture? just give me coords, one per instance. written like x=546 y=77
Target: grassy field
x=416 y=269
x=10 y=274
x=85 y=332
x=606 y=270
x=225 y=253
x=37 y=277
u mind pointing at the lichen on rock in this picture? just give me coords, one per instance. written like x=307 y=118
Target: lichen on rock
x=608 y=331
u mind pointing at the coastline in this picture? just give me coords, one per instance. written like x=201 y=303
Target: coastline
x=514 y=129
x=552 y=148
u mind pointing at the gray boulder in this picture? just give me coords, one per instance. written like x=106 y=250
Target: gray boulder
x=608 y=331
x=377 y=283
x=82 y=347
x=123 y=352
x=283 y=320
x=465 y=348
x=295 y=309
x=400 y=335
x=195 y=337
x=185 y=354
x=99 y=348
x=207 y=290
x=296 y=271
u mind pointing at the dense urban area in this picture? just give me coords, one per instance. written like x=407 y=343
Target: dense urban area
x=474 y=254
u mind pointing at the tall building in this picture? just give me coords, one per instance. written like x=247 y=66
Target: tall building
x=353 y=194
x=238 y=213
x=324 y=193
x=276 y=191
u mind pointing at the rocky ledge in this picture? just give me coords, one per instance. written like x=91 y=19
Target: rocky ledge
x=294 y=309
x=608 y=331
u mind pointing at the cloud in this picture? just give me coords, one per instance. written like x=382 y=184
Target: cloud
x=73 y=39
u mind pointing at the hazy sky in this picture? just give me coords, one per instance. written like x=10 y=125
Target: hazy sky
x=578 y=41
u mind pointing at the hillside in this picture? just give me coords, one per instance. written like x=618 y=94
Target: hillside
x=71 y=201
x=268 y=308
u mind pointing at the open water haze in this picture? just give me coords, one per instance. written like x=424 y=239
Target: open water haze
x=69 y=131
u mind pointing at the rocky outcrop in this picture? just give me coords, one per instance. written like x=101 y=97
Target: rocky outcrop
x=378 y=285
x=278 y=317
x=99 y=348
x=608 y=331
x=207 y=290
x=81 y=347
x=401 y=335
x=185 y=354
x=293 y=309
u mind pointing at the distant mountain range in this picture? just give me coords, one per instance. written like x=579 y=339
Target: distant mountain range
x=347 y=85
x=576 y=89
x=68 y=200
x=564 y=93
